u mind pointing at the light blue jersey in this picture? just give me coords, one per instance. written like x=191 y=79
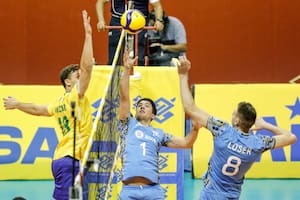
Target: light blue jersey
x=141 y=149
x=233 y=155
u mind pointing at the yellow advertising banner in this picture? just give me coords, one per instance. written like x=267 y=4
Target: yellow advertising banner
x=276 y=103
x=27 y=143
x=158 y=83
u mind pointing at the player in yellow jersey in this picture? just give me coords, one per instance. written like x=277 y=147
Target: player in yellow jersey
x=71 y=107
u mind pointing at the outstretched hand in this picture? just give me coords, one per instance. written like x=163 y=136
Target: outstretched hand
x=101 y=25
x=259 y=124
x=128 y=62
x=9 y=103
x=183 y=66
x=86 y=23
x=159 y=26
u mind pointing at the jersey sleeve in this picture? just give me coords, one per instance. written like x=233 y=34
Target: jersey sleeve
x=268 y=142
x=216 y=126
x=51 y=108
x=166 y=138
x=123 y=126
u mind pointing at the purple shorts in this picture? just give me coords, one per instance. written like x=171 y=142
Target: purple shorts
x=62 y=170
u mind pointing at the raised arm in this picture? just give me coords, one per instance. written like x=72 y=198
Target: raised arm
x=158 y=9
x=11 y=103
x=87 y=58
x=100 y=14
x=124 y=85
x=282 y=136
x=198 y=115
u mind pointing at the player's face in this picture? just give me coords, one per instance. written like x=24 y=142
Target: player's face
x=144 y=111
x=74 y=76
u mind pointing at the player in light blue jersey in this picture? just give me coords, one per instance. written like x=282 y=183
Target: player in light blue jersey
x=235 y=148
x=142 y=143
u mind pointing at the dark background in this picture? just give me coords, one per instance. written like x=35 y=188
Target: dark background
x=229 y=41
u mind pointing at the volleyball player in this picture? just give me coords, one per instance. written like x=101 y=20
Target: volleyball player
x=235 y=147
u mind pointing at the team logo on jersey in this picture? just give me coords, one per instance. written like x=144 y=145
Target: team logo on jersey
x=155 y=133
x=139 y=134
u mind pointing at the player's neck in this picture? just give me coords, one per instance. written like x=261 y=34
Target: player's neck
x=145 y=122
x=243 y=132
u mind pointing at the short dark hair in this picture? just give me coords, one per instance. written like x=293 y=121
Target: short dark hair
x=247 y=114
x=18 y=198
x=66 y=71
x=154 y=111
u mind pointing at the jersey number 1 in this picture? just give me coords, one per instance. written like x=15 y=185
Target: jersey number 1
x=143 y=145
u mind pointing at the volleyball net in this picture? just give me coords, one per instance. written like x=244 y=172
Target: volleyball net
x=99 y=161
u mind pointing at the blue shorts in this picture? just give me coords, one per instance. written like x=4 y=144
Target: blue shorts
x=149 y=192
x=62 y=170
x=214 y=195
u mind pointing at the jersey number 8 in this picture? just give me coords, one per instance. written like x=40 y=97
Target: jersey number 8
x=233 y=162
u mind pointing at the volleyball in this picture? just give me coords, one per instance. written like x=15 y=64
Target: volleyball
x=132 y=21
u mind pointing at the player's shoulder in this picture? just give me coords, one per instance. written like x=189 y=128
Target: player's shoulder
x=217 y=121
x=157 y=131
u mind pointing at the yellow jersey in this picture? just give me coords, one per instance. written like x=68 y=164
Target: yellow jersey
x=62 y=111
